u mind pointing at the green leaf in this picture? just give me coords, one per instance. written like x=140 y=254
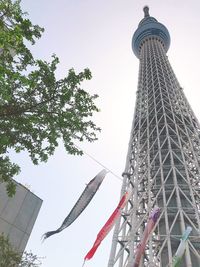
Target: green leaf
x=36 y=109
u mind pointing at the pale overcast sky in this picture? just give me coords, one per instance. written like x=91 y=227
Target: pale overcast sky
x=97 y=34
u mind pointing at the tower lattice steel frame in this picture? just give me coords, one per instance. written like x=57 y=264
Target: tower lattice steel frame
x=163 y=160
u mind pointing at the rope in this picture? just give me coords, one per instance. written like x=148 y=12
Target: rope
x=98 y=162
x=83 y=263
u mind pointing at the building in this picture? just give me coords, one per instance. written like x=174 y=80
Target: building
x=163 y=160
x=18 y=215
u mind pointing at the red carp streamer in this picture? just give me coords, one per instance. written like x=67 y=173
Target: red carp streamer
x=108 y=225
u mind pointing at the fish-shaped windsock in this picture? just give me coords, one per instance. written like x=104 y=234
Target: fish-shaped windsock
x=176 y=262
x=147 y=231
x=81 y=203
x=108 y=225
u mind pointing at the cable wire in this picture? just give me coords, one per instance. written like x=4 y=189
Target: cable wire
x=98 y=162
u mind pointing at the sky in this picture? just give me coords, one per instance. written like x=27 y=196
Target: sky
x=97 y=34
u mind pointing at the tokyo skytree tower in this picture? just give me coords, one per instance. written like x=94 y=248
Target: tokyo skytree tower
x=163 y=161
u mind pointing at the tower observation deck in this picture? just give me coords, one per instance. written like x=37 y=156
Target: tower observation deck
x=163 y=160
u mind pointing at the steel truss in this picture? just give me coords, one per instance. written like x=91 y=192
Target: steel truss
x=162 y=168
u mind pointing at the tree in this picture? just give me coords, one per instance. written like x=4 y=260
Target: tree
x=36 y=109
x=9 y=257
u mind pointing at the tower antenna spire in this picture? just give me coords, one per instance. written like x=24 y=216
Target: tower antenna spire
x=162 y=163
x=146 y=11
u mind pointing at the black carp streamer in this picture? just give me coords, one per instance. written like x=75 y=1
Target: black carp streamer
x=81 y=203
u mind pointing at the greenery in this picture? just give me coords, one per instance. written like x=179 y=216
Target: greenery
x=9 y=257
x=36 y=109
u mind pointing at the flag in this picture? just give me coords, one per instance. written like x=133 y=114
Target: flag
x=181 y=248
x=108 y=225
x=147 y=231
x=81 y=203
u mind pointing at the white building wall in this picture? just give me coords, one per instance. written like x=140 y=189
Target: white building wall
x=18 y=215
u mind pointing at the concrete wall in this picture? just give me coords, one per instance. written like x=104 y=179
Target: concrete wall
x=18 y=215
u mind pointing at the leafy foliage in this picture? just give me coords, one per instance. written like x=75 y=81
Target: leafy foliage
x=9 y=257
x=36 y=109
